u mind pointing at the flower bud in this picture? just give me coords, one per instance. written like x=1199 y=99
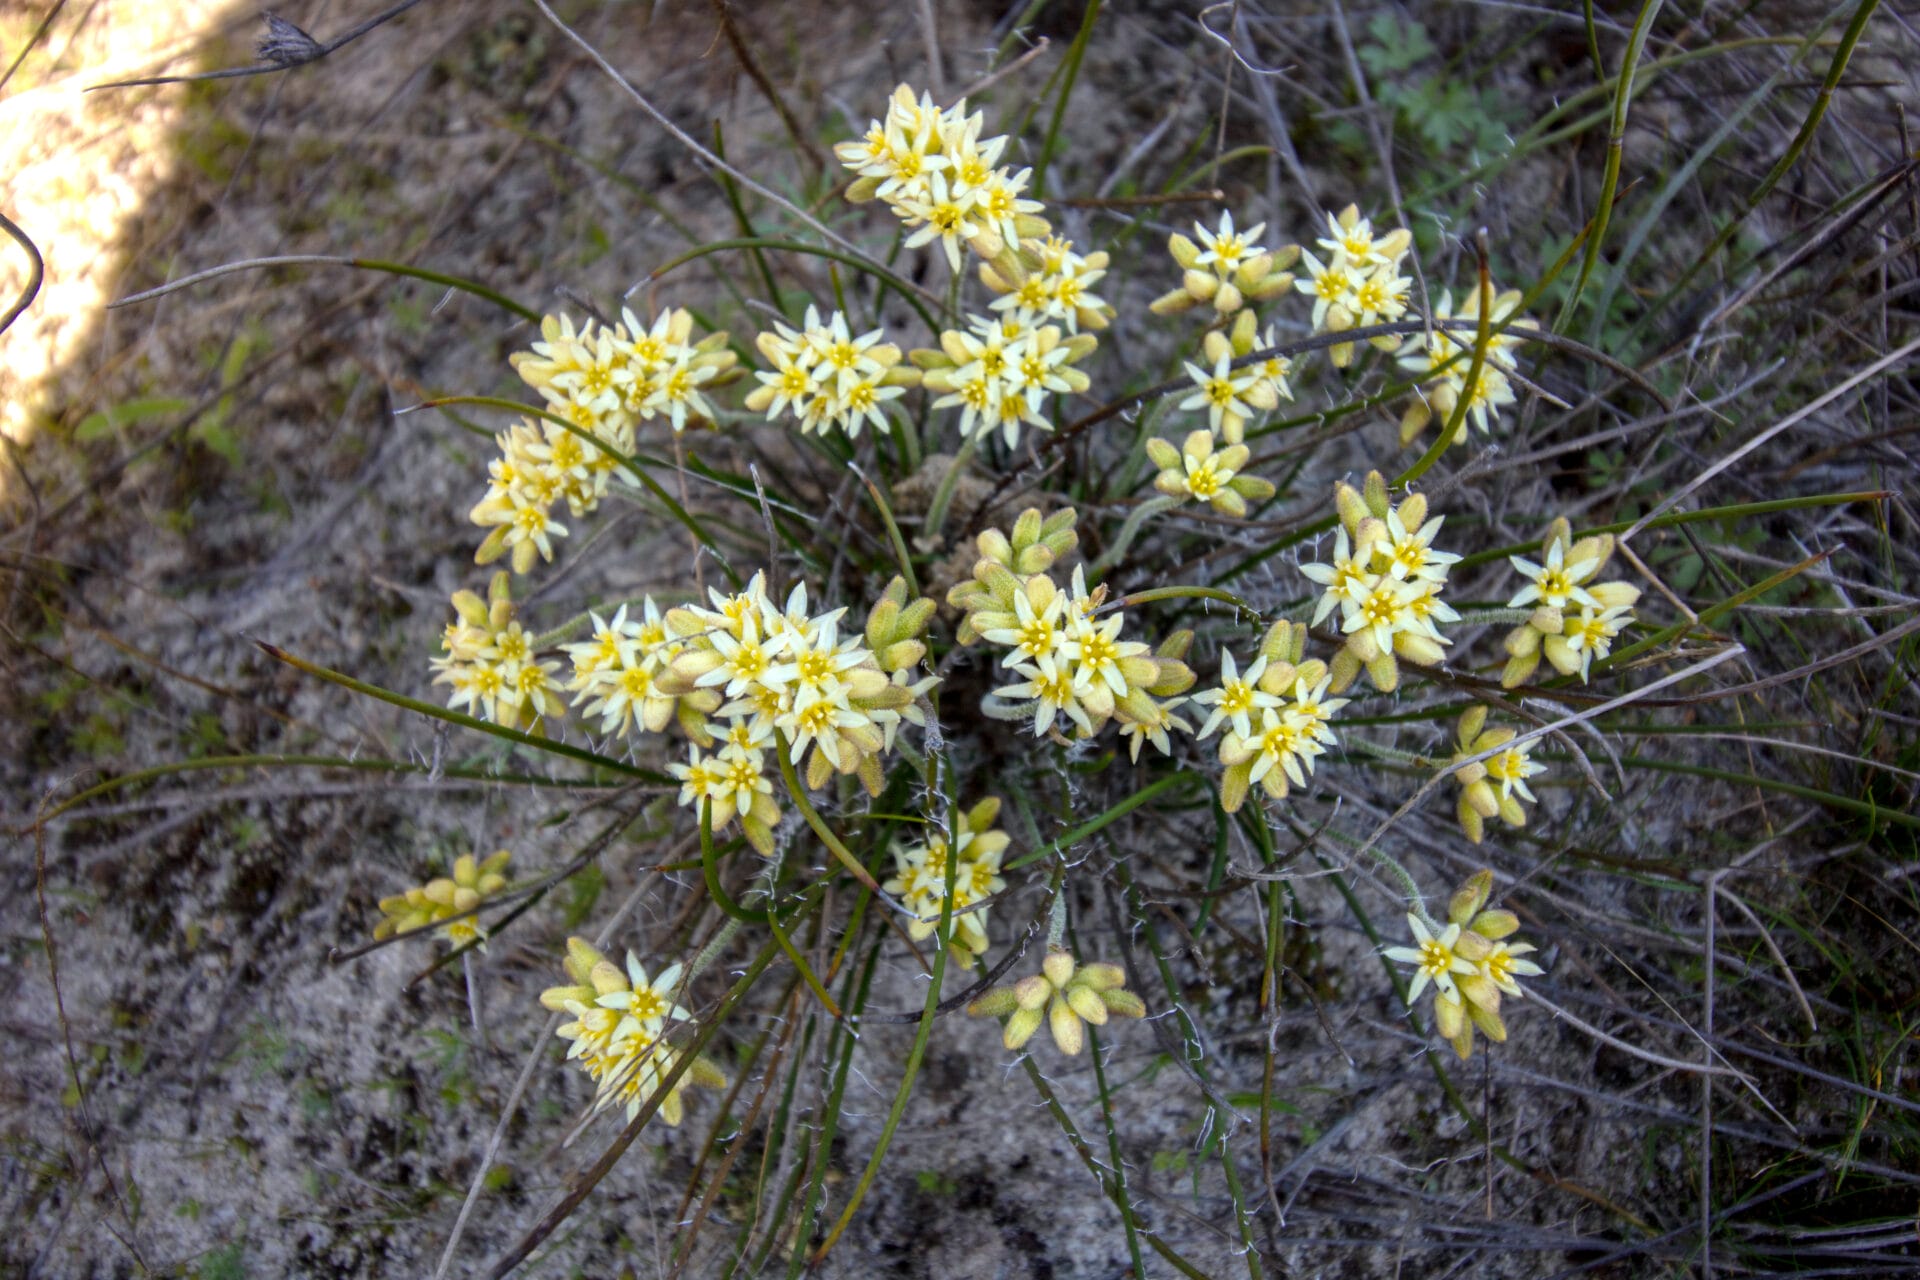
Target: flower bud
x=1473 y=893
x=1032 y=991
x=996 y=1003
x=1068 y=1032
x=1087 y=1004
x=1201 y=284
x=1495 y=924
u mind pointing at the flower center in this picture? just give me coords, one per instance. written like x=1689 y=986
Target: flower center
x=1205 y=482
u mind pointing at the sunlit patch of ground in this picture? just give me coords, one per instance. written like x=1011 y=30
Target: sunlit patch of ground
x=76 y=169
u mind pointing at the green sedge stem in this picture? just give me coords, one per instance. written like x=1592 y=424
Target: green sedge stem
x=536 y=741
x=710 y=871
x=1131 y=529
x=1070 y=72
x=756 y=243
x=943 y=496
x=893 y=536
x=839 y=850
x=1457 y=420
x=1616 y=140
x=1114 y=814
x=1245 y=610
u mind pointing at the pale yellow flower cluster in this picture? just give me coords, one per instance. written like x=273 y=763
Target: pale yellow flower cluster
x=489 y=661
x=920 y=879
x=606 y=380
x=600 y=382
x=440 y=899
x=1360 y=283
x=1197 y=472
x=1226 y=270
x=1507 y=771
x=1276 y=715
x=1575 y=619
x=1075 y=669
x=826 y=377
x=539 y=465
x=1233 y=394
x=790 y=682
x=618 y=1032
x=1229 y=394
x=936 y=173
x=941 y=178
x=1469 y=964
x=999 y=372
x=1385 y=579
x=1063 y=994
x=1042 y=280
x=619 y=673
x=1443 y=357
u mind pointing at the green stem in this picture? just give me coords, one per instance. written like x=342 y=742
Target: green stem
x=943 y=496
x=710 y=871
x=1246 y=611
x=535 y=741
x=1494 y=617
x=887 y=278
x=1130 y=529
x=893 y=536
x=1616 y=141
x=1118 y=811
x=1070 y=72
x=915 y=1055
x=1369 y=747
x=794 y=789
x=1482 y=338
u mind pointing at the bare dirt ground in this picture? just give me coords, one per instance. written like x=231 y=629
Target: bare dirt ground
x=226 y=464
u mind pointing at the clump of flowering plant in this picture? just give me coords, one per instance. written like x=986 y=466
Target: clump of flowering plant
x=789 y=722
x=1227 y=269
x=1575 y=618
x=1385 y=580
x=921 y=873
x=1469 y=963
x=1064 y=994
x=619 y=1028
x=443 y=898
x=1493 y=787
